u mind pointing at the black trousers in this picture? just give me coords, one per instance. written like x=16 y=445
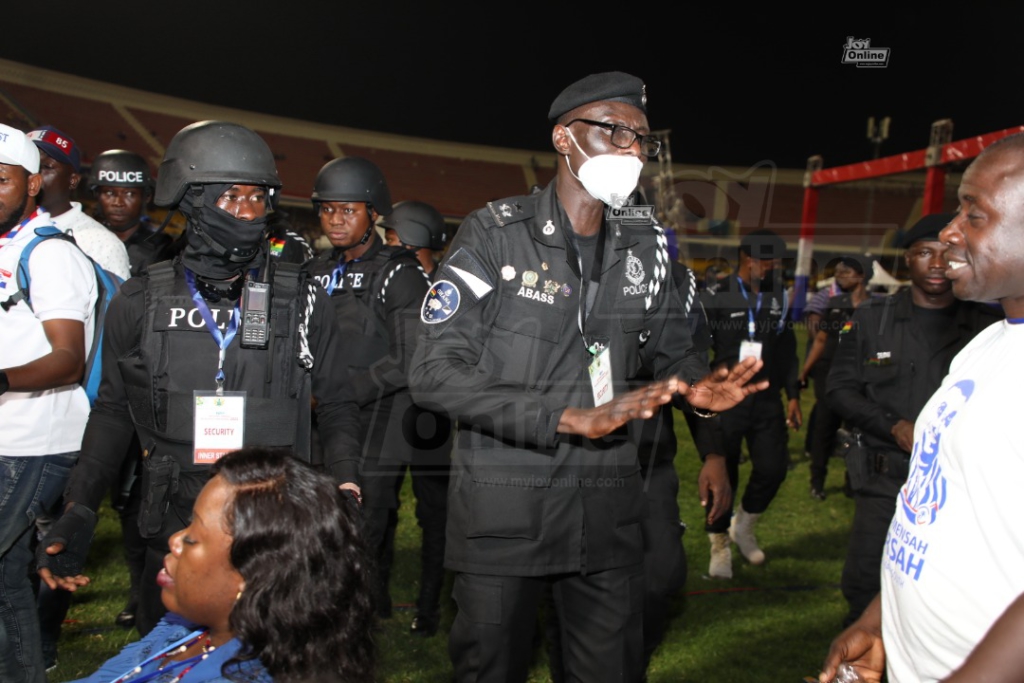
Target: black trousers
x=600 y=618
x=665 y=562
x=760 y=420
x=381 y=487
x=862 y=573
x=823 y=432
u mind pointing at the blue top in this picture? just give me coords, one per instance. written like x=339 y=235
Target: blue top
x=169 y=631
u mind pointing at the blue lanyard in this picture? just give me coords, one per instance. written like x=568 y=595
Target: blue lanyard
x=192 y=637
x=751 y=327
x=223 y=339
x=338 y=274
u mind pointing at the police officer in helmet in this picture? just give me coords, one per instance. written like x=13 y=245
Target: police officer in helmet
x=376 y=291
x=122 y=184
x=220 y=348
x=418 y=227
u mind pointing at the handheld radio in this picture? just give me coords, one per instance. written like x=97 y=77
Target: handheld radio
x=255 y=326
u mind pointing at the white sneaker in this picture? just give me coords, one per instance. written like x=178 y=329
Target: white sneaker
x=721 y=557
x=741 y=531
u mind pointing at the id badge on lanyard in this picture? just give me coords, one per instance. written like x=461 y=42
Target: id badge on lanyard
x=218 y=424
x=750 y=348
x=601 y=377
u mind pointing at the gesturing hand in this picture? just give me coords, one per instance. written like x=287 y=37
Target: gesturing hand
x=642 y=403
x=724 y=388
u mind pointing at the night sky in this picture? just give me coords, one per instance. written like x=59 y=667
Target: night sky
x=736 y=87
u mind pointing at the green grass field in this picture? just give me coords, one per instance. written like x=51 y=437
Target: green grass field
x=769 y=624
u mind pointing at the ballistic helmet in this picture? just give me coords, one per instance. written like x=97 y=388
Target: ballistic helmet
x=418 y=224
x=214 y=152
x=119 y=168
x=351 y=179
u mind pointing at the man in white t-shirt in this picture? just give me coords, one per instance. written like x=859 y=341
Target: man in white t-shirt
x=60 y=164
x=43 y=408
x=953 y=566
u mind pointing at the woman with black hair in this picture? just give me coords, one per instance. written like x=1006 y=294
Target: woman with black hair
x=268 y=583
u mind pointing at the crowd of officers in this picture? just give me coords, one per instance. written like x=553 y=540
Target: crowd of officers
x=324 y=344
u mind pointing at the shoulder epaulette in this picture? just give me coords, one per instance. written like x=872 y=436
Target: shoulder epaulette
x=512 y=209
x=161 y=276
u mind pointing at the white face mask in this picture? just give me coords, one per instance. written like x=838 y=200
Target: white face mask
x=610 y=178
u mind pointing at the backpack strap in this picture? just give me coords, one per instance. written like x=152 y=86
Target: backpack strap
x=24 y=276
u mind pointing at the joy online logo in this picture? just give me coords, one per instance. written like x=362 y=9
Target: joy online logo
x=858 y=51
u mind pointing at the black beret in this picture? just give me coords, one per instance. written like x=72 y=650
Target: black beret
x=611 y=86
x=928 y=228
x=763 y=244
x=864 y=265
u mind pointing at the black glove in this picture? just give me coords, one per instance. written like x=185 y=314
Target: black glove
x=74 y=529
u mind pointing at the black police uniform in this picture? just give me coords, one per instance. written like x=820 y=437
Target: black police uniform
x=157 y=350
x=376 y=298
x=502 y=351
x=288 y=246
x=665 y=562
x=760 y=418
x=886 y=368
x=839 y=310
x=430 y=469
x=148 y=245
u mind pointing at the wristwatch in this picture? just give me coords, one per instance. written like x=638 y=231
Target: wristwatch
x=4 y=383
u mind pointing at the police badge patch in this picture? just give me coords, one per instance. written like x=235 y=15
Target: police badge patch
x=440 y=303
x=634 y=268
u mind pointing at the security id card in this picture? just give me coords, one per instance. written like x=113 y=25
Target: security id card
x=601 y=377
x=750 y=349
x=219 y=424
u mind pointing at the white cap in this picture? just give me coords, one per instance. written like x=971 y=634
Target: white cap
x=17 y=150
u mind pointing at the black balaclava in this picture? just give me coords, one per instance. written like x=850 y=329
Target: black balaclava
x=219 y=246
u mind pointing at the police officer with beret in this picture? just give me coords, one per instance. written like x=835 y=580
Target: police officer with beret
x=376 y=291
x=544 y=310
x=221 y=348
x=121 y=182
x=890 y=359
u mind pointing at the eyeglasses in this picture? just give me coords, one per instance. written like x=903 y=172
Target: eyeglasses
x=623 y=137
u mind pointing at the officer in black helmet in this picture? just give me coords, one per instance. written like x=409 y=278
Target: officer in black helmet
x=221 y=348
x=419 y=227
x=123 y=186
x=376 y=291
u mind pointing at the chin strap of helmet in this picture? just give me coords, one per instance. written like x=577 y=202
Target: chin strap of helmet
x=370 y=228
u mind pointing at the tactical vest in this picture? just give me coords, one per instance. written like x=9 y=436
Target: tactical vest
x=146 y=247
x=358 y=304
x=177 y=354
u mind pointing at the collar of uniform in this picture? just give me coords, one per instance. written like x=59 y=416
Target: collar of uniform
x=375 y=246
x=904 y=301
x=549 y=211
